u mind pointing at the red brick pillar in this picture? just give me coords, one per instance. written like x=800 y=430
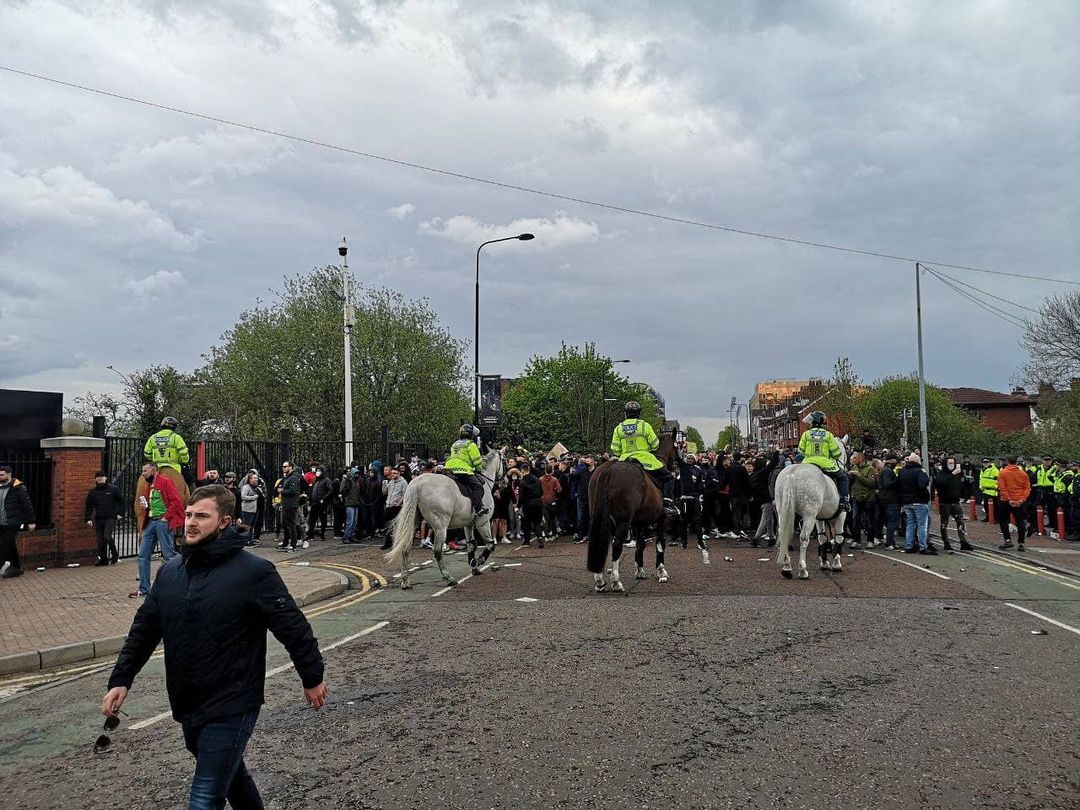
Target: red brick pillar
x=75 y=460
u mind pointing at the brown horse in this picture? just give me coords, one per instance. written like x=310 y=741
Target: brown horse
x=622 y=498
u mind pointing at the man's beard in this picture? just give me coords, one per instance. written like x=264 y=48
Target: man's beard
x=188 y=540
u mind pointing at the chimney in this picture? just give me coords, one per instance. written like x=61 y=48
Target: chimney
x=1018 y=391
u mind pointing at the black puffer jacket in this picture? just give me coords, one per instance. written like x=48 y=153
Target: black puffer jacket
x=103 y=502
x=913 y=484
x=212 y=605
x=947 y=485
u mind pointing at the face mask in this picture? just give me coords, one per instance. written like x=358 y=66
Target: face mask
x=318 y=474
x=313 y=469
x=951 y=466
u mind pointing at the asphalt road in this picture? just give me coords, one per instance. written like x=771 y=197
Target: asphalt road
x=888 y=685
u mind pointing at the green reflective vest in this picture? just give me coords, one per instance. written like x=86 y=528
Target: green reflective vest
x=1064 y=482
x=464 y=457
x=820 y=447
x=988 y=483
x=166 y=448
x=1045 y=476
x=635 y=439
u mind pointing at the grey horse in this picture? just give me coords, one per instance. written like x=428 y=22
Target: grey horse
x=805 y=490
x=438 y=500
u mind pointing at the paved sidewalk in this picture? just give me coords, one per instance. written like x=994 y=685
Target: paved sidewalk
x=60 y=606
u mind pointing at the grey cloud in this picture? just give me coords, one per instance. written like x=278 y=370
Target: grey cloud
x=586 y=135
x=813 y=120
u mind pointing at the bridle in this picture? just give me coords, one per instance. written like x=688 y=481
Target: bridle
x=499 y=476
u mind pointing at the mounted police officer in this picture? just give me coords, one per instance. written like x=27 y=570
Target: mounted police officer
x=465 y=462
x=635 y=440
x=167 y=448
x=820 y=447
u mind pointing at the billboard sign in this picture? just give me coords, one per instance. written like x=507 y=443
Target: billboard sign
x=490 y=399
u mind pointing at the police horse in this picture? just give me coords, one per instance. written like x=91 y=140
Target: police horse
x=624 y=500
x=439 y=501
x=805 y=490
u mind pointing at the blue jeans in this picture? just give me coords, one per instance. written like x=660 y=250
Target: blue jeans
x=156 y=531
x=350 y=522
x=917 y=516
x=582 y=518
x=220 y=772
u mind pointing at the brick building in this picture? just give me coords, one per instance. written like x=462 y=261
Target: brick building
x=1004 y=413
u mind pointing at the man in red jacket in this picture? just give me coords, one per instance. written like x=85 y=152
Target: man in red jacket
x=163 y=517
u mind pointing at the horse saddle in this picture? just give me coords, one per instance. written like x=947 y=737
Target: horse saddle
x=461 y=481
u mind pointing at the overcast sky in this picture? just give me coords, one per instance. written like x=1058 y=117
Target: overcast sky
x=947 y=131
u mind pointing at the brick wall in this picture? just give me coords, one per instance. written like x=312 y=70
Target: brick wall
x=75 y=460
x=1006 y=418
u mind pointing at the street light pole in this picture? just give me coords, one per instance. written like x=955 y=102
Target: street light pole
x=347 y=317
x=922 y=376
x=524 y=237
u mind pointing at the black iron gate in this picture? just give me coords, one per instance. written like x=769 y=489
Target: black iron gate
x=124 y=460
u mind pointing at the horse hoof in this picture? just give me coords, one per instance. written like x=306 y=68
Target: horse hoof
x=824 y=566
x=836 y=569
x=600 y=587
x=662 y=579
x=705 y=557
x=618 y=588
x=787 y=573
x=406 y=586
x=804 y=575
x=641 y=573
x=476 y=571
x=450 y=583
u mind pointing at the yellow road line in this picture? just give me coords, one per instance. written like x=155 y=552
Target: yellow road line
x=1049 y=576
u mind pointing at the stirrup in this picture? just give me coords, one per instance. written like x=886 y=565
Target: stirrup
x=483 y=510
x=845 y=505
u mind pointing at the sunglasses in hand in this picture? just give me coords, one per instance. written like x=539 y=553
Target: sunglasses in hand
x=104 y=741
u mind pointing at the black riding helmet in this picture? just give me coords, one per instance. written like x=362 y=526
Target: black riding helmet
x=817 y=419
x=170 y=422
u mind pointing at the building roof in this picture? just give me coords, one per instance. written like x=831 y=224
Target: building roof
x=976 y=397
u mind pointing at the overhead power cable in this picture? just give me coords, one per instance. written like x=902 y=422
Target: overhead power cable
x=1001 y=314
x=524 y=189
x=1016 y=304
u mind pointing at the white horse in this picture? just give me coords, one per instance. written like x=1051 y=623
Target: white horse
x=437 y=498
x=805 y=490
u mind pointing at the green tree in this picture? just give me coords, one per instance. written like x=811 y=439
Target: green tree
x=693 y=436
x=729 y=437
x=281 y=366
x=950 y=428
x=574 y=397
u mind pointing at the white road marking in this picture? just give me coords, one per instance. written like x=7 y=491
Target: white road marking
x=526 y=599
x=909 y=564
x=511 y=565
x=1054 y=622
x=157 y=718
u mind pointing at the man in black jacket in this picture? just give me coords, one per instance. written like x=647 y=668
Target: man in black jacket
x=948 y=483
x=212 y=605
x=691 y=486
x=16 y=510
x=888 y=495
x=292 y=484
x=103 y=506
x=738 y=480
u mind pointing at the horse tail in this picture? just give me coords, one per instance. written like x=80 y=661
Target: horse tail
x=599 y=530
x=404 y=526
x=785 y=515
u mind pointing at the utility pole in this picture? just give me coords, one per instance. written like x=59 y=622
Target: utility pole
x=347 y=316
x=922 y=376
x=905 y=414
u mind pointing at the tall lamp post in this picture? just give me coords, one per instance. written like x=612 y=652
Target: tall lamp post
x=347 y=317
x=524 y=237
